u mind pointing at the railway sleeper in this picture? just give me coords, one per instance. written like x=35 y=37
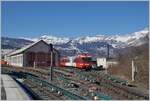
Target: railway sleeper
x=41 y=93
x=110 y=88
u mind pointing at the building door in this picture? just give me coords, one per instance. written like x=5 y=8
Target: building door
x=41 y=59
x=30 y=59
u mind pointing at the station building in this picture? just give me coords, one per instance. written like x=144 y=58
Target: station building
x=37 y=54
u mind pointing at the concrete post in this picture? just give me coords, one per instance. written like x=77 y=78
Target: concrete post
x=134 y=71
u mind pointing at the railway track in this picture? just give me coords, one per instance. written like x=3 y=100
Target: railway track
x=41 y=91
x=62 y=72
x=99 y=88
x=118 y=90
x=81 y=87
x=110 y=84
x=50 y=87
x=43 y=88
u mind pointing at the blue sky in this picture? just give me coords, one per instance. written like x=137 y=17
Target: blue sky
x=72 y=19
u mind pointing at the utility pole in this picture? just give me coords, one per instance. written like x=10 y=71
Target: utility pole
x=107 y=51
x=51 y=64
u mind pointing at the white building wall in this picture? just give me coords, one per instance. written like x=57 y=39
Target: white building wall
x=102 y=62
x=6 y=58
x=16 y=60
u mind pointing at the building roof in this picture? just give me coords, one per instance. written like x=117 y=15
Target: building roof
x=21 y=50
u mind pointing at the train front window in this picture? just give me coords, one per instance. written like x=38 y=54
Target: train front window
x=87 y=59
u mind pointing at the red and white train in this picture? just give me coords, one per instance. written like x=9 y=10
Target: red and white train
x=81 y=61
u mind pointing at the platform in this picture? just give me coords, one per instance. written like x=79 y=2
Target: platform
x=12 y=90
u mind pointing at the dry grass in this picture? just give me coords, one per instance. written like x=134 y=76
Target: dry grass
x=123 y=69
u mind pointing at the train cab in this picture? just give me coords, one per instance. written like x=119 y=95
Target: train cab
x=81 y=61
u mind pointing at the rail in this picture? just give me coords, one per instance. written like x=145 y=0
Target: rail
x=105 y=84
x=50 y=86
x=66 y=93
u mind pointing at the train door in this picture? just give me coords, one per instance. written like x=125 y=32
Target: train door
x=72 y=63
x=79 y=63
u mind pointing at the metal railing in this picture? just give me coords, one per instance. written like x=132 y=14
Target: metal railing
x=50 y=86
x=66 y=93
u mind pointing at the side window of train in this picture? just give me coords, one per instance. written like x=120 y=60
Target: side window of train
x=75 y=60
x=67 y=60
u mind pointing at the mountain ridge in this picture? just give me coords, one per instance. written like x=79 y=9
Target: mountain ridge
x=92 y=44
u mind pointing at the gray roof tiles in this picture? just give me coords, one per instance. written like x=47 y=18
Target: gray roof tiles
x=21 y=50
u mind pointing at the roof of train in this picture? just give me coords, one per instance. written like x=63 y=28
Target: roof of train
x=79 y=55
x=84 y=55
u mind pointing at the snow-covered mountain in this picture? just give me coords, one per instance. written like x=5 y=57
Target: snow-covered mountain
x=92 y=44
x=10 y=44
x=115 y=40
x=50 y=39
x=13 y=43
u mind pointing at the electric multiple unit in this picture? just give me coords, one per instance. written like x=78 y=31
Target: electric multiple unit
x=81 y=61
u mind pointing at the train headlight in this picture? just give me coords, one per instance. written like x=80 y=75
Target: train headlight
x=81 y=64
x=96 y=98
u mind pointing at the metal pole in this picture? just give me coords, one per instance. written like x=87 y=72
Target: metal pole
x=107 y=51
x=51 y=65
